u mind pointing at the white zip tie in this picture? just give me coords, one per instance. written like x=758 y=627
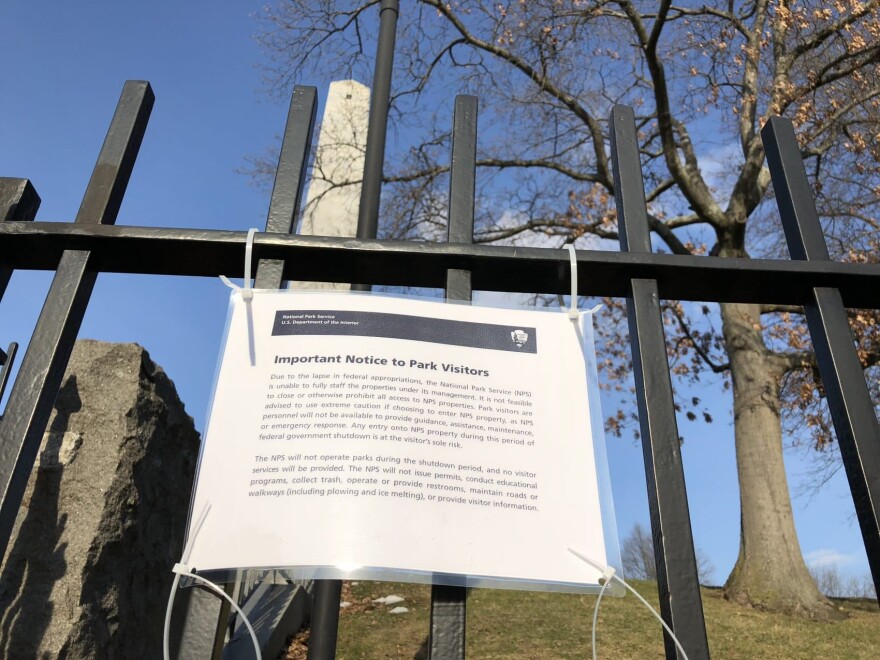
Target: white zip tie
x=247 y=292
x=609 y=574
x=573 y=308
x=217 y=590
x=573 y=303
x=596 y=616
x=182 y=568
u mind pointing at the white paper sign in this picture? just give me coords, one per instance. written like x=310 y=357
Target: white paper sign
x=353 y=432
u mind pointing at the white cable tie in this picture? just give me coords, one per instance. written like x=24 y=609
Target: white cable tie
x=222 y=594
x=595 y=309
x=587 y=560
x=247 y=292
x=572 y=260
x=182 y=568
x=596 y=618
x=609 y=573
x=232 y=285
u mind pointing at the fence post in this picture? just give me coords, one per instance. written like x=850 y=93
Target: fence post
x=374 y=158
x=449 y=603
x=849 y=402
x=677 y=581
x=283 y=211
x=290 y=178
x=325 y=611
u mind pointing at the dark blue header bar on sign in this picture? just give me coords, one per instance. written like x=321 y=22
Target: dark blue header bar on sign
x=515 y=339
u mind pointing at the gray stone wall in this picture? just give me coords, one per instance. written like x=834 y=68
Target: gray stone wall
x=88 y=570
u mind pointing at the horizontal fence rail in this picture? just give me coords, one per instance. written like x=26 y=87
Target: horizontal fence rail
x=209 y=253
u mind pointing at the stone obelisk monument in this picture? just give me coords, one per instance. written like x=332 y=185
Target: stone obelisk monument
x=334 y=192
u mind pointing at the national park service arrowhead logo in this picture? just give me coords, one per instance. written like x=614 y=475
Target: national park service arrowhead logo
x=519 y=338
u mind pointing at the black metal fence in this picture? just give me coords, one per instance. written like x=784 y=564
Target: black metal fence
x=78 y=251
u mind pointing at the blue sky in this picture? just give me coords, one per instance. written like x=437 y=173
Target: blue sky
x=64 y=67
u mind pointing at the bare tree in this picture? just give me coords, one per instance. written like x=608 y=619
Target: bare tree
x=834 y=585
x=703 y=79
x=637 y=555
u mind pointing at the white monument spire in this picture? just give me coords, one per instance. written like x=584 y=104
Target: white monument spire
x=332 y=201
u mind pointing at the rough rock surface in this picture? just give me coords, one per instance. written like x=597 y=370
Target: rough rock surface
x=87 y=573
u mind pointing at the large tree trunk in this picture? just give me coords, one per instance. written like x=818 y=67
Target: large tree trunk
x=770 y=572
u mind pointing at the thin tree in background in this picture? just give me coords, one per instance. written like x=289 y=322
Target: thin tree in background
x=637 y=555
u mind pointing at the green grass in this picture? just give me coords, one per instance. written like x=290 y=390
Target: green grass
x=541 y=626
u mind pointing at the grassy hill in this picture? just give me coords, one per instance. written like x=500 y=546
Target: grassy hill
x=541 y=626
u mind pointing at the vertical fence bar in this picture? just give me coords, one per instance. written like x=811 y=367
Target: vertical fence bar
x=8 y=359
x=449 y=603
x=325 y=613
x=849 y=402
x=325 y=610
x=32 y=396
x=374 y=158
x=325 y=620
x=677 y=581
x=289 y=178
x=19 y=202
x=283 y=210
x=462 y=189
x=284 y=207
